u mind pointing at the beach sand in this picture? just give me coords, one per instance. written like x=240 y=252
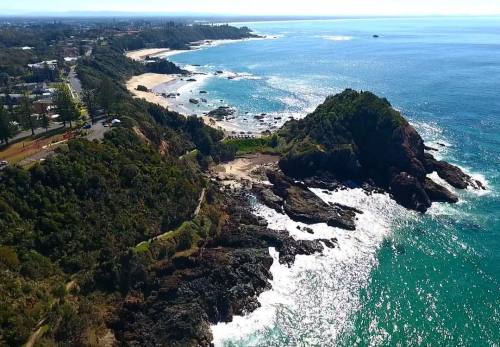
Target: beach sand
x=246 y=169
x=152 y=81
x=149 y=80
x=140 y=54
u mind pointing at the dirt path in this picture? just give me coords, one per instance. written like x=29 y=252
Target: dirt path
x=243 y=169
x=200 y=202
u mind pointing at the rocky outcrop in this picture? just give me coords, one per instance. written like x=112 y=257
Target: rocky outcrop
x=359 y=136
x=408 y=192
x=187 y=293
x=450 y=173
x=438 y=193
x=302 y=205
x=222 y=112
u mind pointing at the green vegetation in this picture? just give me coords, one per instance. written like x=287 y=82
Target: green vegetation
x=66 y=106
x=265 y=144
x=348 y=131
x=81 y=212
x=178 y=36
x=6 y=129
x=95 y=213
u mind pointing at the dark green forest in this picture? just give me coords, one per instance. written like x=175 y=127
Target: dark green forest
x=75 y=220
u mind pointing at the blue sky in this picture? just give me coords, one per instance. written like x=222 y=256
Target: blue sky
x=263 y=7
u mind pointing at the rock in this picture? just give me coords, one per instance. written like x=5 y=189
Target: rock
x=347 y=208
x=221 y=279
x=325 y=182
x=451 y=173
x=221 y=112
x=408 y=191
x=308 y=230
x=194 y=101
x=330 y=243
x=360 y=137
x=269 y=199
x=302 y=205
x=438 y=193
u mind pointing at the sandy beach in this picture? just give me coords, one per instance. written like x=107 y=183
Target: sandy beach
x=160 y=85
x=140 y=54
x=149 y=80
x=152 y=80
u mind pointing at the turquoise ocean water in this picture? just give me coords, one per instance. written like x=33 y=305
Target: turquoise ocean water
x=401 y=279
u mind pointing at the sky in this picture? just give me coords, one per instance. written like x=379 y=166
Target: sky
x=260 y=7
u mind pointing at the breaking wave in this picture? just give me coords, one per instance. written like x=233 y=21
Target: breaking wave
x=319 y=292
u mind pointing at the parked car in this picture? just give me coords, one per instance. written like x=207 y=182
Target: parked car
x=3 y=164
x=87 y=126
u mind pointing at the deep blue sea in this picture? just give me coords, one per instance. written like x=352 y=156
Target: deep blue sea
x=400 y=279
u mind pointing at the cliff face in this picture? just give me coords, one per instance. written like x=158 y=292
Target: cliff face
x=357 y=135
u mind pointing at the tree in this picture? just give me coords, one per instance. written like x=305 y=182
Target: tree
x=45 y=121
x=26 y=111
x=6 y=130
x=107 y=94
x=66 y=107
x=90 y=102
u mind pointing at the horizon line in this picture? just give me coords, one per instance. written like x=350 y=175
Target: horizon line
x=139 y=14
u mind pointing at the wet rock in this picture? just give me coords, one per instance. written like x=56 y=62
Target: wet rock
x=222 y=112
x=302 y=205
x=221 y=279
x=451 y=174
x=438 y=193
x=269 y=199
x=408 y=192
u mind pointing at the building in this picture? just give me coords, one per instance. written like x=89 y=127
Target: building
x=43 y=106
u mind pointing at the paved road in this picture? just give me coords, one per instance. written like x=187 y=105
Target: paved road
x=74 y=81
x=26 y=133
x=97 y=131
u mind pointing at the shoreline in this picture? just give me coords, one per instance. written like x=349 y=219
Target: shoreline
x=160 y=86
x=152 y=81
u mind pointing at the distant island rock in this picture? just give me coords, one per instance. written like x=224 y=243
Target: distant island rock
x=359 y=136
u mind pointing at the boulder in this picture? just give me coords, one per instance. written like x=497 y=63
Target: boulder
x=302 y=205
x=438 y=193
x=408 y=192
x=451 y=173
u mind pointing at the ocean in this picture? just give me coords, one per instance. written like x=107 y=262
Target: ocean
x=401 y=278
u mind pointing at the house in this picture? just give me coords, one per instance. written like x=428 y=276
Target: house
x=43 y=105
x=70 y=60
x=50 y=64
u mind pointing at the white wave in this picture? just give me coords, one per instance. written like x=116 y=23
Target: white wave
x=319 y=293
x=238 y=75
x=337 y=37
x=434 y=137
x=478 y=177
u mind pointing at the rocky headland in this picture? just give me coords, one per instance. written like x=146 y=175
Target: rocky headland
x=360 y=137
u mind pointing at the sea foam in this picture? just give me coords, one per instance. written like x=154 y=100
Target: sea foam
x=318 y=292
x=337 y=37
